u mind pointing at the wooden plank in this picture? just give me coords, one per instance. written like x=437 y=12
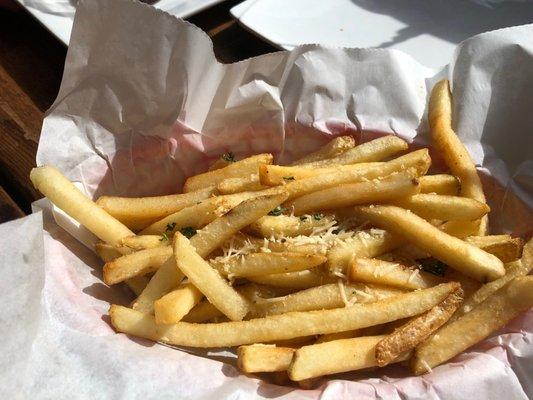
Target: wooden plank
x=8 y=208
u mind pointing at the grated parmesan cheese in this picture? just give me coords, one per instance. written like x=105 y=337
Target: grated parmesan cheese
x=426 y=366
x=342 y=291
x=413 y=275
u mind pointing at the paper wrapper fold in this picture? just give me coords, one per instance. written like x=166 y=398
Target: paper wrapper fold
x=143 y=105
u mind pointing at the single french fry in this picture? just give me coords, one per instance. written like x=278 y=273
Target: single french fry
x=263 y=358
x=166 y=278
x=325 y=297
x=436 y=206
x=60 y=191
x=217 y=232
x=268 y=263
x=461 y=229
x=202 y=312
x=490 y=315
x=294 y=280
x=333 y=148
x=450 y=147
x=207 y=280
x=336 y=336
x=220 y=162
x=418 y=160
x=286 y=225
x=279 y=327
x=335 y=356
x=504 y=247
x=237 y=169
x=382 y=190
x=375 y=150
x=440 y=184
x=470 y=260
x=135 y=264
x=139 y=212
x=241 y=184
x=364 y=244
x=143 y=242
x=416 y=330
x=173 y=306
x=106 y=252
x=381 y=272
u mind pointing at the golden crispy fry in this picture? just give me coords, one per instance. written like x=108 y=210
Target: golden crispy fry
x=268 y=263
x=376 y=271
x=263 y=358
x=328 y=337
x=167 y=278
x=217 y=232
x=286 y=225
x=418 y=160
x=487 y=317
x=173 y=306
x=335 y=356
x=219 y=163
x=417 y=330
x=333 y=148
x=294 y=280
x=204 y=311
x=139 y=212
x=143 y=242
x=323 y=297
x=364 y=244
x=244 y=184
x=375 y=150
x=440 y=184
x=450 y=147
x=436 y=206
x=382 y=190
x=106 y=252
x=237 y=169
x=207 y=280
x=135 y=264
x=461 y=229
x=60 y=191
x=279 y=327
x=504 y=247
x=454 y=252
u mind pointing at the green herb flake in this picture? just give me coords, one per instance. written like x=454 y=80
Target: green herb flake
x=229 y=157
x=318 y=216
x=188 y=232
x=303 y=218
x=288 y=178
x=277 y=211
x=433 y=266
x=170 y=227
x=164 y=237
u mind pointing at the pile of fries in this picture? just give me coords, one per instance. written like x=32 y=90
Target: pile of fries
x=350 y=258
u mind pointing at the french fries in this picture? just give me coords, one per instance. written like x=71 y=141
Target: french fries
x=143 y=242
x=237 y=185
x=294 y=280
x=237 y=169
x=461 y=229
x=443 y=184
x=264 y=358
x=106 y=252
x=390 y=273
x=376 y=191
x=173 y=306
x=504 y=247
x=333 y=148
x=416 y=330
x=471 y=328
x=139 y=212
x=278 y=327
x=286 y=225
x=450 y=147
x=204 y=311
x=458 y=254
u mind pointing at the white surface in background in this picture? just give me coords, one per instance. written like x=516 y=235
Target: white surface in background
x=427 y=30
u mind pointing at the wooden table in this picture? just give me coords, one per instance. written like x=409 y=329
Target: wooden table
x=31 y=66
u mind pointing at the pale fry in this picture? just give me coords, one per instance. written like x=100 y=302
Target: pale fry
x=450 y=147
x=263 y=358
x=204 y=311
x=454 y=252
x=375 y=150
x=143 y=242
x=268 y=263
x=173 y=306
x=286 y=225
x=504 y=247
x=335 y=356
x=279 y=327
x=237 y=185
x=487 y=317
x=135 y=264
x=237 y=169
x=417 y=330
x=390 y=273
x=60 y=191
x=139 y=212
x=333 y=148
x=436 y=206
x=294 y=280
x=207 y=280
x=323 y=297
x=440 y=184
x=461 y=229
x=382 y=190
x=418 y=160
x=217 y=232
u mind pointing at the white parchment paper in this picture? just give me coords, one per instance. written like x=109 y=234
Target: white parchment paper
x=143 y=105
